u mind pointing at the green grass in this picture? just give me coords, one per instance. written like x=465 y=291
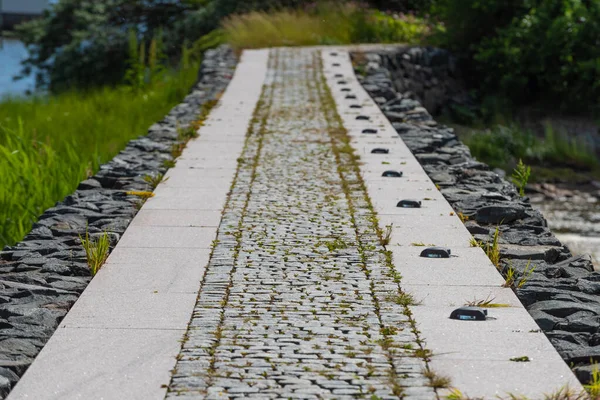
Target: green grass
x=552 y=156
x=324 y=24
x=486 y=303
x=492 y=249
x=49 y=144
x=96 y=250
x=593 y=386
x=512 y=278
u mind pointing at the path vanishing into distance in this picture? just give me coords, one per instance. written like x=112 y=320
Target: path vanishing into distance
x=274 y=263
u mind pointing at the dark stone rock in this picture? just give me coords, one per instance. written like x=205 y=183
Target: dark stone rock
x=544 y=320
x=5 y=386
x=584 y=372
x=588 y=287
x=584 y=323
x=18 y=348
x=433 y=158
x=576 y=339
x=9 y=374
x=583 y=355
x=534 y=253
x=562 y=309
x=495 y=214
x=89 y=184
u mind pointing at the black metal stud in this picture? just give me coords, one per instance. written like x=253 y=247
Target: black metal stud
x=336 y=64
x=380 y=150
x=392 y=174
x=351 y=96
x=436 y=252
x=469 y=314
x=369 y=131
x=346 y=89
x=409 y=203
x=342 y=82
x=355 y=106
x=338 y=75
x=333 y=53
x=362 y=118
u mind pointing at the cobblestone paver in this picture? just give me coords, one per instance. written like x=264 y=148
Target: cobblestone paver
x=299 y=300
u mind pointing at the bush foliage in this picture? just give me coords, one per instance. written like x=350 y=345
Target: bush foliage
x=543 y=52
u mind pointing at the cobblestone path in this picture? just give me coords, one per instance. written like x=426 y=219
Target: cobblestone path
x=299 y=299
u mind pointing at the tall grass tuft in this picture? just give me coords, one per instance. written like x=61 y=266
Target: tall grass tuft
x=502 y=146
x=96 y=250
x=49 y=144
x=324 y=23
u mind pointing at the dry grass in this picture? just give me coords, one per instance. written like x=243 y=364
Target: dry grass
x=328 y=23
x=283 y=28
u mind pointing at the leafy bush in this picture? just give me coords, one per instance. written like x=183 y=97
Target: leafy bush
x=531 y=51
x=84 y=43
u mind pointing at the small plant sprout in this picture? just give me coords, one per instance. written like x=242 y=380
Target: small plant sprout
x=387 y=235
x=141 y=194
x=463 y=217
x=96 y=250
x=436 y=380
x=593 y=387
x=154 y=180
x=511 y=276
x=473 y=242
x=520 y=359
x=420 y=244
x=403 y=299
x=455 y=394
x=493 y=249
x=520 y=176
x=336 y=244
x=487 y=303
x=168 y=164
x=186 y=134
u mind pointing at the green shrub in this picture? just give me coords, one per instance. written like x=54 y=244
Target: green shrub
x=531 y=51
x=84 y=43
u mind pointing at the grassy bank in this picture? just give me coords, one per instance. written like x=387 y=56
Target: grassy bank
x=323 y=24
x=49 y=144
x=553 y=156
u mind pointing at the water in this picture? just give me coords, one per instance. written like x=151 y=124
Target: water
x=12 y=53
x=574 y=216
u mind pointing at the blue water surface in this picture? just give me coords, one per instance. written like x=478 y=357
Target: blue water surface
x=12 y=52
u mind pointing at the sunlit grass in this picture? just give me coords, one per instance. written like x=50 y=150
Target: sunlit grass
x=49 y=144
x=96 y=250
x=320 y=25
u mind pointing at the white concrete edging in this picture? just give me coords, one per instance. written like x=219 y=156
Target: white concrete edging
x=474 y=354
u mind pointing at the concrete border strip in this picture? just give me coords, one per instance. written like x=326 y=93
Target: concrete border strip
x=120 y=339
x=475 y=355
